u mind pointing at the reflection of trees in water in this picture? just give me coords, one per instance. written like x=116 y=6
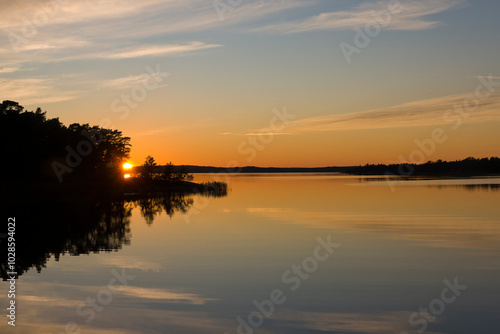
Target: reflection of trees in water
x=471 y=187
x=107 y=230
x=55 y=226
x=152 y=206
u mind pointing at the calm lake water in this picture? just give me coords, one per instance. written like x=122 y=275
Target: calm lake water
x=280 y=254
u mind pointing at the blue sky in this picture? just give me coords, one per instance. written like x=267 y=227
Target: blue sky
x=229 y=66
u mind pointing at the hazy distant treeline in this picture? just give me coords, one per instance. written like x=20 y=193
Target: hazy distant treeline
x=467 y=167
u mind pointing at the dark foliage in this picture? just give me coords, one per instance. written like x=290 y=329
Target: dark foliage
x=78 y=224
x=467 y=167
x=36 y=148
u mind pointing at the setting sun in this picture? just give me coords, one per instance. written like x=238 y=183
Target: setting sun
x=345 y=149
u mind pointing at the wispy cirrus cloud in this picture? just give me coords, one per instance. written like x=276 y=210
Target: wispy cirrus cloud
x=203 y=15
x=49 y=13
x=430 y=112
x=10 y=69
x=39 y=32
x=35 y=90
x=124 y=82
x=43 y=50
x=412 y=16
x=79 y=50
x=50 y=44
x=35 y=32
x=31 y=22
x=155 y=50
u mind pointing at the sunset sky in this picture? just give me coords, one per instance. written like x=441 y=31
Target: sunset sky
x=264 y=82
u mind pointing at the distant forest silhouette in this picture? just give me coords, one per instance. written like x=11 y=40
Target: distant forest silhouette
x=467 y=167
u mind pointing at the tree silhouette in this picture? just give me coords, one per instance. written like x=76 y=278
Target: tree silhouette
x=174 y=174
x=148 y=168
x=38 y=148
x=467 y=167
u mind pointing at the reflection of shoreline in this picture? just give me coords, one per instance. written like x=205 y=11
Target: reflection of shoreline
x=471 y=184
x=113 y=189
x=60 y=224
x=470 y=187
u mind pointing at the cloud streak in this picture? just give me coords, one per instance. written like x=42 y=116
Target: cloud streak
x=44 y=14
x=34 y=90
x=10 y=69
x=156 y=50
x=124 y=19
x=412 y=15
x=55 y=31
x=431 y=112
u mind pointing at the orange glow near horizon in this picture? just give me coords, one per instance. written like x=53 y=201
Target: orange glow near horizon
x=320 y=149
x=127 y=165
x=126 y=176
